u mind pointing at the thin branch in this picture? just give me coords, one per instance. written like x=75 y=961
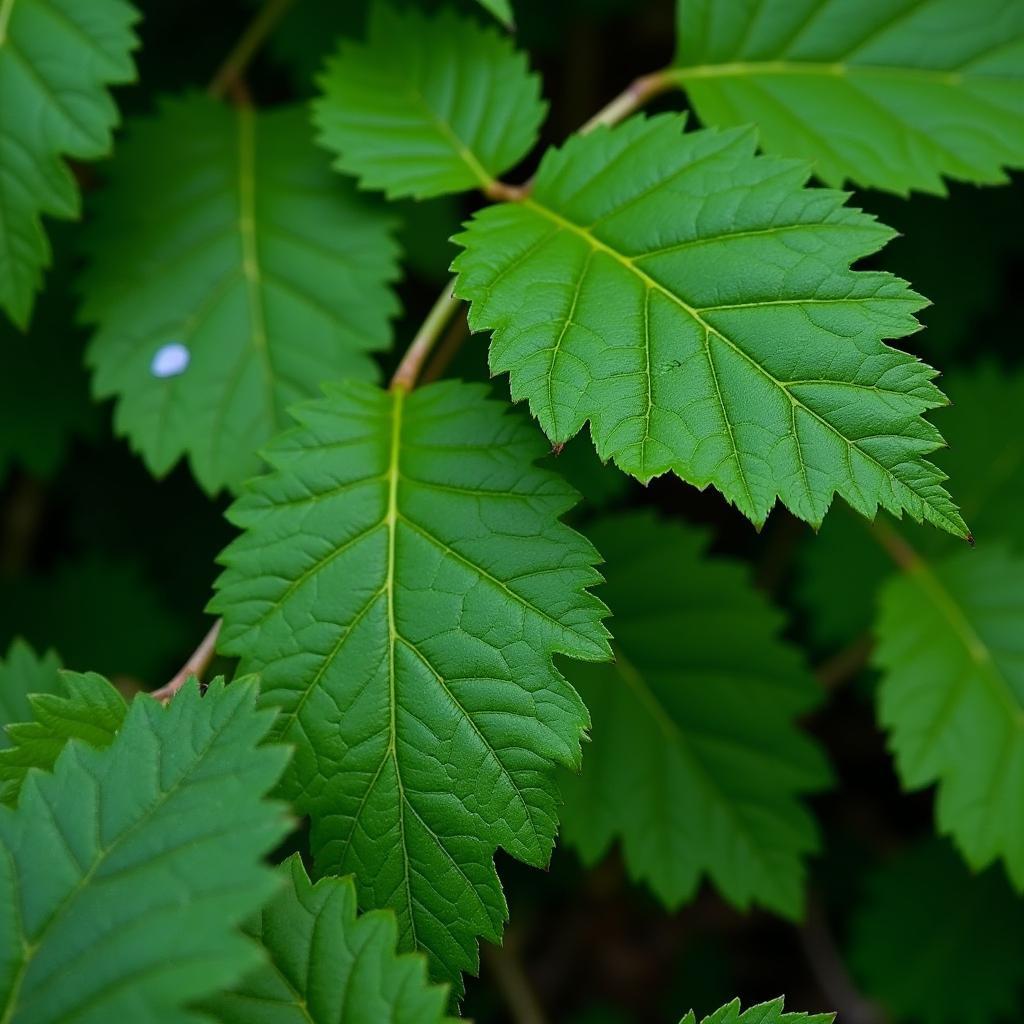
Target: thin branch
x=458 y=331
x=243 y=51
x=198 y=662
x=845 y=664
x=631 y=99
x=446 y=306
x=523 y=1004
x=895 y=546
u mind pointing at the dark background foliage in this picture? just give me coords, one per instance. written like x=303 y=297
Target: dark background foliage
x=113 y=568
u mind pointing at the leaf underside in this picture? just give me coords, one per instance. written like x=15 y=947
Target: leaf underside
x=696 y=763
x=125 y=871
x=270 y=271
x=57 y=59
x=951 y=651
x=891 y=94
x=427 y=105
x=401 y=586
x=694 y=303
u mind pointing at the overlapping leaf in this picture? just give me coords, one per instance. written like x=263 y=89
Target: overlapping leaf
x=57 y=60
x=428 y=105
x=892 y=94
x=23 y=672
x=228 y=282
x=401 y=586
x=696 y=763
x=694 y=303
x=79 y=707
x=325 y=965
x=951 y=649
x=126 y=869
x=925 y=926
x=763 y=1013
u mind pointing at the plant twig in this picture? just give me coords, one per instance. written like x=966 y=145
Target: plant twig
x=198 y=662
x=845 y=664
x=446 y=306
x=523 y=1004
x=895 y=546
x=630 y=100
x=250 y=41
x=458 y=331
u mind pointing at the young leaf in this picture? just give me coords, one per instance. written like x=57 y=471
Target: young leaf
x=763 y=1013
x=86 y=707
x=22 y=673
x=57 y=58
x=401 y=586
x=696 y=763
x=428 y=104
x=228 y=284
x=952 y=696
x=326 y=965
x=126 y=869
x=926 y=925
x=695 y=303
x=888 y=95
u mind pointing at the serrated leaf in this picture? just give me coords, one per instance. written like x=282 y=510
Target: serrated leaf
x=246 y=260
x=763 y=1013
x=57 y=59
x=694 y=303
x=889 y=94
x=126 y=869
x=23 y=672
x=926 y=926
x=401 y=586
x=696 y=763
x=501 y=9
x=80 y=707
x=428 y=105
x=326 y=965
x=951 y=650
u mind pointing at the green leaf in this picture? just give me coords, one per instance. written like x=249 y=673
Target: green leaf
x=694 y=302
x=696 y=762
x=889 y=94
x=501 y=9
x=401 y=586
x=762 y=1013
x=926 y=927
x=57 y=58
x=951 y=649
x=127 y=868
x=428 y=104
x=22 y=673
x=248 y=252
x=82 y=707
x=325 y=965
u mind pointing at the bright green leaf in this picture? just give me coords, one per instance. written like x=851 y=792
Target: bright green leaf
x=57 y=58
x=951 y=649
x=245 y=255
x=428 y=104
x=938 y=945
x=82 y=707
x=401 y=585
x=23 y=672
x=694 y=302
x=696 y=762
x=763 y=1013
x=127 y=868
x=501 y=9
x=326 y=965
x=890 y=94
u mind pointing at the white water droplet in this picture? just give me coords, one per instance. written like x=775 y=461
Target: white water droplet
x=170 y=360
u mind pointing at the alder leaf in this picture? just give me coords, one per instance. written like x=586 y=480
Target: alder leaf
x=951 y=650
x=889 y=95
x=694 y=302
x=696 y=762
x=22 y=673
x=229 y=284
x=763 y=1013
x=325 y=965
x=427 y=105
x=57 y=58
x=83 y=707
x=401 y=586
x=926 y=925
x=127 y=868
